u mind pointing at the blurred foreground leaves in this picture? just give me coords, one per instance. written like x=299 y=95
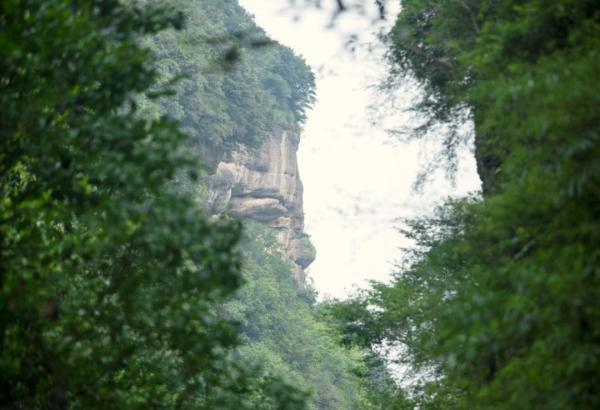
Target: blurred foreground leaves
x=109 y=275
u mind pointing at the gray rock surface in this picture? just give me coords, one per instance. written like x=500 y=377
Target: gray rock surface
x=264 y=185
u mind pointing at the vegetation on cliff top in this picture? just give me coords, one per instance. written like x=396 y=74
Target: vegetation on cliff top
x=237 y=84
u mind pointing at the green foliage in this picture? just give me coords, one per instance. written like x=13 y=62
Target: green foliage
x=358 y=326
x=282 y=332
x=242 y=103
x=309 y=252
x=490 y=56
x=109 y=275
x=495 y=307
x=497 y=304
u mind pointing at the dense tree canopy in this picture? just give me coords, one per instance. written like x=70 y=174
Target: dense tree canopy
x=111 y=275
x=237 y=83
x=115 y=286
x=281 y=331
x=497 y=305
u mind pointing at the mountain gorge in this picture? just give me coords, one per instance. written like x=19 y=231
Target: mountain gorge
x=245 y=119
x=152 y=244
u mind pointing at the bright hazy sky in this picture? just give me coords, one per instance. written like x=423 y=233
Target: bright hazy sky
x=357 y=179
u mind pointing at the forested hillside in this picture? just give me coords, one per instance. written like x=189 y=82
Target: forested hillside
x=496 y=307
x=237 y=83
x=117 y=288
x=121 y=287
x=281 y=333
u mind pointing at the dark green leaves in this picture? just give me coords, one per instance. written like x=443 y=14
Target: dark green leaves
x=497 y=300
x=110 y=276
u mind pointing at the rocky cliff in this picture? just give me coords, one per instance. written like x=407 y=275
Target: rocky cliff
x=264 y=185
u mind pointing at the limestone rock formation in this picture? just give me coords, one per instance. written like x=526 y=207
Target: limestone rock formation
x=264 y=185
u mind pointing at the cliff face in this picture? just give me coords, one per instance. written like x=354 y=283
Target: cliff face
x=264 y=185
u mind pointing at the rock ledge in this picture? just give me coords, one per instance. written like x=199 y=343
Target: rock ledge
x=264 y=185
